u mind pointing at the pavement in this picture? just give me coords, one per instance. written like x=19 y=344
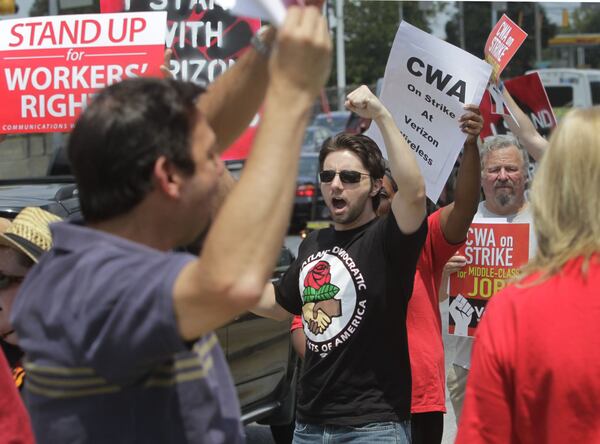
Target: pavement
x=258 y=434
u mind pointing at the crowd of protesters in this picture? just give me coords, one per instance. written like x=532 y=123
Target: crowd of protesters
x=107 y=331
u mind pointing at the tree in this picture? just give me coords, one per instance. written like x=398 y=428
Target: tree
x=478 y=27
x=586 y=19
x=370 y=28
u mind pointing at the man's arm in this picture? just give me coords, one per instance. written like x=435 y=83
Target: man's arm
x=524 y=130
x=408 y=204
x=456 y=218
x=231 y=101
x=268 y=307
x=237 y=258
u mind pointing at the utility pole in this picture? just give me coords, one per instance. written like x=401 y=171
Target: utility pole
x=461 y=24
x=400 y=12
x=538 y=34
x=340 y=53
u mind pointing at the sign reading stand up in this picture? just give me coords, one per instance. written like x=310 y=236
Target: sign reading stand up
x=51 y=66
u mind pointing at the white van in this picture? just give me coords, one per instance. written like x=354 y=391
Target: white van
x=568 y=88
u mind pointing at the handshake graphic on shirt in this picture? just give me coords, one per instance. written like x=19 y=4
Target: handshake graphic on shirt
x=317 y=315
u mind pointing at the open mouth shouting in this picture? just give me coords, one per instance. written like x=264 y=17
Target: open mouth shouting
x=339 y=205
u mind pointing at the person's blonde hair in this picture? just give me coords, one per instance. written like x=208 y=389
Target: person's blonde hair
x=565 y=194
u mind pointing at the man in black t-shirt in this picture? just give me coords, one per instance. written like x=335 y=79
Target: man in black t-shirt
x=351 y=283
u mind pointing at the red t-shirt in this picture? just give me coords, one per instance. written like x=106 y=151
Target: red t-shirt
x=535 y=373
x=296 y=323
x=15 y=427
x=424 y=324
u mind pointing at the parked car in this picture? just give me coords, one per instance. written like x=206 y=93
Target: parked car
x=258 y=350
x=335 y=121
x=314 y=138
x=308 y=203
x=570 y=88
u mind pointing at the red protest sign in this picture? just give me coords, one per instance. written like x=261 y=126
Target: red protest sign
x=502 y=44
x=529 y=94
x=494 y=252
x=51 y=66
x=206 y=41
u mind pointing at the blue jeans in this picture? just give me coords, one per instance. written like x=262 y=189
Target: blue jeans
x=378 y=432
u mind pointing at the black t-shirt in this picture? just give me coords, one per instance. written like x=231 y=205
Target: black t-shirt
x=352 y=289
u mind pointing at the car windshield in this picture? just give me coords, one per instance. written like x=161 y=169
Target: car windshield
x=335 y=122
x=309 y=167
x=310 y=138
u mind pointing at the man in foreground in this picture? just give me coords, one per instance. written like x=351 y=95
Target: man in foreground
x=351 y=283
x=116 y=328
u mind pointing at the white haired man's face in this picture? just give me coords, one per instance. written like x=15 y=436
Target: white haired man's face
x=503 y=179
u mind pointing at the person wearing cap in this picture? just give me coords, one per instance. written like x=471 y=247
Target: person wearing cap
x=22 y=242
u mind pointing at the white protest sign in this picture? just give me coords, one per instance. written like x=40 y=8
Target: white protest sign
x=270 y=10
x=426 y=84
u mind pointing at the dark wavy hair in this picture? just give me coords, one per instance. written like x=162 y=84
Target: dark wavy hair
x=366 y=150
x=121 y=134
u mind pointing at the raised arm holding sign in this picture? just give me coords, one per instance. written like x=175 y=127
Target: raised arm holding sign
x=426 y=85
x=502 y=44
x=408 y=205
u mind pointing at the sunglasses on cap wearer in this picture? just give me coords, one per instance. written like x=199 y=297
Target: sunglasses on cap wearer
x=346 y=176
x=7 y=280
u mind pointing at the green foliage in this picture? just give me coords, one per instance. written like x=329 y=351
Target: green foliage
x=478 y=27
x=586 y=19
x=370 y=28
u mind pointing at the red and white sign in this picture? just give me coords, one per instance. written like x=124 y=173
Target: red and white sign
x=206 y=41
x=502 y=44
x=495 y=252
x=530 y=95
x=51 y=66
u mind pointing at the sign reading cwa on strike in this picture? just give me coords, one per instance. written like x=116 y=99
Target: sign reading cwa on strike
x=426 y=84
x=51 y=66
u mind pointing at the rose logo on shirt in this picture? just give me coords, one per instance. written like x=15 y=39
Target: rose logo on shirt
x=319 y=303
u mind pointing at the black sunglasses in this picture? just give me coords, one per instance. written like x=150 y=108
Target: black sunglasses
x=6 y=280
x=346 y=176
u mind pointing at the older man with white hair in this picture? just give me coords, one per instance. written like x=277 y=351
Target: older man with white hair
x=504 y=177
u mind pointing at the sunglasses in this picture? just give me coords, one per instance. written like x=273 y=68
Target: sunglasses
x=346 y=176
x=6 y=280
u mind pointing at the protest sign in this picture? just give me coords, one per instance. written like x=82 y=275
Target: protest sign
x=502 y=44
x=50 y=66
x=529 y=94
x=495 y=250
x=205 y=40
x=427 y=83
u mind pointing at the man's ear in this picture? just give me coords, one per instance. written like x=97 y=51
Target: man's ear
x=376 y=186
x=167 y=177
